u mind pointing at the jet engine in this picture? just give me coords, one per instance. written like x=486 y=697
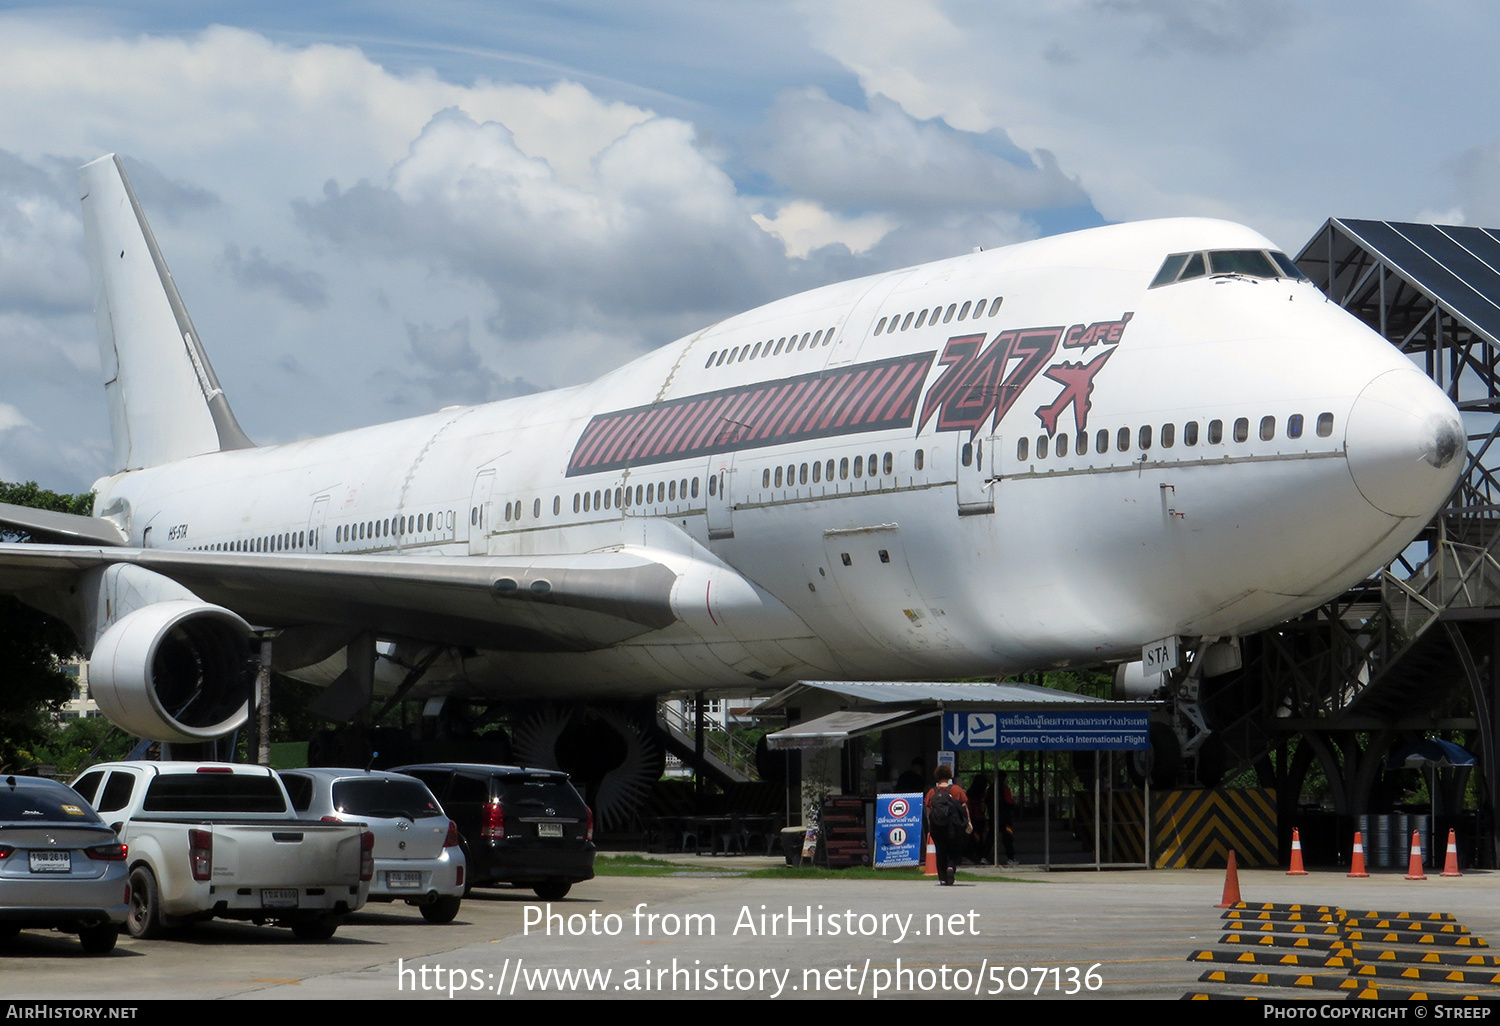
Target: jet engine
x=177 y=671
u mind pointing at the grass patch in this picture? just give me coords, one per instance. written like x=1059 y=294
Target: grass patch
x=639 y=865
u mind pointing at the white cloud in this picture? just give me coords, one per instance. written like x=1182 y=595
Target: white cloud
x=803 y=226
x=885 y=159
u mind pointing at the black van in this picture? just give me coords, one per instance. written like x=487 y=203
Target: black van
x=523 y=827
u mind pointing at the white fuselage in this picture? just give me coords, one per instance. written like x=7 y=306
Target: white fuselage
x=902 y=495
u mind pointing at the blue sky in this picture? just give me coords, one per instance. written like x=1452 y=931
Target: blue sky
x=377 y=209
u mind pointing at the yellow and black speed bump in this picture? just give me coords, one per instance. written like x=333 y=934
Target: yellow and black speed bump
x=1357 y=952
x=1246 y=916
x=1276 y=940
x=1317 y=981
x=1431 y=974
x=1406 y=926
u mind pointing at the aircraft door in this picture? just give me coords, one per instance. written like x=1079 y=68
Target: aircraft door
x=975 y=474
x=315 y=523
x=720 y=503
x=481 y=512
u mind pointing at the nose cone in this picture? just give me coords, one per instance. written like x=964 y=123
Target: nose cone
x=1405 y=444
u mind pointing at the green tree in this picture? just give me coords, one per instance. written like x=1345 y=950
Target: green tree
x=33 y=647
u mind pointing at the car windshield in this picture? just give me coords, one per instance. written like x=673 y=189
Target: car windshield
x=35 y=805
x=384 y=798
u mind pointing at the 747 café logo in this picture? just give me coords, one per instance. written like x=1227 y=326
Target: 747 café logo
x=980 y=383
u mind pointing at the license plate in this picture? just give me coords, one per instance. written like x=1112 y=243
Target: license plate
x=396 y=880
x=549 y=829
x=278 y=897
x=51 y=862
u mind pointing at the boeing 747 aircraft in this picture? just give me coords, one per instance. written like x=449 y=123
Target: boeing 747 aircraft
x=1044 y=455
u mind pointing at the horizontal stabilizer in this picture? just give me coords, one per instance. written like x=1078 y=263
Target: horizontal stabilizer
x=46 y=526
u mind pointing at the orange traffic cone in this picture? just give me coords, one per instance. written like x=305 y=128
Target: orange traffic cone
x=1414 y=864
x=1450 y=863
x=1231 y=885
x=931 y=867
x=1357 y=860
x=1296 y=869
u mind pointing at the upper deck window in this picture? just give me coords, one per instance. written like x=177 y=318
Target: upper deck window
x=1248 y=263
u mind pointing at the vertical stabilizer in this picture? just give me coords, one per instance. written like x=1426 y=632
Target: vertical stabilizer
x=165 y=403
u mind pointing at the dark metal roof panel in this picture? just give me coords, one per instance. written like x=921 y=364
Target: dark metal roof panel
x=1435 y=263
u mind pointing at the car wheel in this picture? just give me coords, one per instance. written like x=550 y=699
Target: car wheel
x=99 y=940
x=552 y=890
x=441 y=911
x=144 y=919
x=314 y=929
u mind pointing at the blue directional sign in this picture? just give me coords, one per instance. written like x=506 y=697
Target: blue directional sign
x=898 y=830
x=1049 y=730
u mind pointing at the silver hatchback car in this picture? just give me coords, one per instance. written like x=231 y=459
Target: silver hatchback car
x=417 y=855
x=61 y=866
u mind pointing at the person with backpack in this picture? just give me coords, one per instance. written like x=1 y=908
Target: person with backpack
x=946 y=810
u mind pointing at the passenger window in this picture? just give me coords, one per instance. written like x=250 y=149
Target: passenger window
x=778 y=477
x=1081 y=446
x=1267 y=428
x=889 y=464
x=1101 y=441
x=949 y=315
x=1062 y=445
x=695 y=487
x=1190 y=433
x=1122 y=439
x=586 y=506
x=874 y=462
x=1145 y=436
x=1294 y=426
x=817 y=469
x=881 y=326
x=536 y=509
x=966 y=454
x=1168 y=435
x=828 y=470
x=917 y=459
x=995 y=306
x=921 y=319
x=907 y=322
x=965 y=311
x=859 y=462
x=802 y=474
x=1041 y=447
x=1215 y=432
x=765 y=478
x=556 y=505
x=1242 y=429
x=1325 y=425
x=1023 y=448
x=577 y=499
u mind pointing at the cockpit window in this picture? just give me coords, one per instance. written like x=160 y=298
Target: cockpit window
x=1250 y=263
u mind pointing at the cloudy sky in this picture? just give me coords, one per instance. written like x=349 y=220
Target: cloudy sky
x=377 y=209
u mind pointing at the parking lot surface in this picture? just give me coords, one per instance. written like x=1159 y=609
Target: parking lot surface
x=705 y=934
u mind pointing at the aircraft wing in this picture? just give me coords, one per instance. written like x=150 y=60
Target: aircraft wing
x=542 y=603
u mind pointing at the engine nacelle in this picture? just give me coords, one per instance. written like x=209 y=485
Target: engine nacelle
x=175 y=671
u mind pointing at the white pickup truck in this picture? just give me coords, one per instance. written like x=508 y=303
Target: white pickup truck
x=218 y=840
